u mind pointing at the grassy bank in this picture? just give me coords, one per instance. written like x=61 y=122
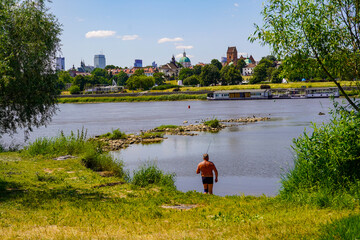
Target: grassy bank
x=41 y=198
x=174 y=97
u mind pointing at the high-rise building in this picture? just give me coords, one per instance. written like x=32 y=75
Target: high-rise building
x=138 y=63
x=99 y=61
x=60 y=63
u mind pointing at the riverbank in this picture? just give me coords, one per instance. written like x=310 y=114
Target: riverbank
x=42 y=198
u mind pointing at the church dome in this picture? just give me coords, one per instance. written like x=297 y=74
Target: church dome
x=185 y=61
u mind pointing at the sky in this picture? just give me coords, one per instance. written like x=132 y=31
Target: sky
x=155 y=30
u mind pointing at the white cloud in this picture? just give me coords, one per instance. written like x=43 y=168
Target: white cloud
x=236 y=4
x=129 y=37
x=164 y=40
x=80 y=19
x=180 y=55
x=184 y=47
x=100 y=34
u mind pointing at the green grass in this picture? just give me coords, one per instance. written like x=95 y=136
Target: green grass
x=173 y=97
x=146 y=135
x=41 y=198
x=346 y=228
x=149 y=174
x=163 y=127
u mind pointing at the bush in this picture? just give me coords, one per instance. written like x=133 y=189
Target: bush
x=97 y=161
x=327 y=162
x=264 y=86
x=214 y=123
x=149 y=173
x=115 y=134
x=192 y=80
x=74 y=89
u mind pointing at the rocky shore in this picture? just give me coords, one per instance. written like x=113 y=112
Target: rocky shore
x=147 y=137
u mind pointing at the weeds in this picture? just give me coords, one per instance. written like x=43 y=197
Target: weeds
x=163 y=127
x=115 y=134
x=146 y=135
x=149 y=173
x=214 y=123
x=346 y=228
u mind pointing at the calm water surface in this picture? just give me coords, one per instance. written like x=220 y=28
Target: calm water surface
x=249 y=157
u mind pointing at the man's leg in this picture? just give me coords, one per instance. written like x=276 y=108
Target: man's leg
x=210 y=188
x=206 y=188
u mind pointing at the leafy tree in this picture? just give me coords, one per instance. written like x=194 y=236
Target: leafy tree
x=192 y=80
x=240 y=64
x=276 y=76
x=63 y=78
x=74 y=89
x=140 y=82
x=260 y=73
x=230 y=75
x=80 y=81
x=107 y=67
x=29 y=40
x=185 y=73
x=197 y=70
x=323 y=30
x=216 y=63
x=271 y=58
x=209 y=75
x=159 y=78
x=120 y=78
x=139 y=72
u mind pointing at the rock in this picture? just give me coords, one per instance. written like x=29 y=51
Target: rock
x=61 y=158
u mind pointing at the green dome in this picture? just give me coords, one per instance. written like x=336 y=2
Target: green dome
x=184 y=60
x=247 y=61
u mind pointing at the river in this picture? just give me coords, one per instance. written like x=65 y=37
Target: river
x=250 y=157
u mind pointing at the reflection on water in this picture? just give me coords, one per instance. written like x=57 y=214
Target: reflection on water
x=249 y=157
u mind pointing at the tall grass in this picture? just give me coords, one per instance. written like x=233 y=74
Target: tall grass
x=115 y=134
x=214 y=123
x=327 y=162
x=346 y=228
x=61 y=145
x=149 y=174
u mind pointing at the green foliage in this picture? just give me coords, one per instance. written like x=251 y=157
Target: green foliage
x=197 y=70
x=74 y=89
x=140 y=82
x=185 y=73
x=214 y=123
x=149 y=174
x=327 y=162
x=216 y=63
x=97 y=161
x=111 y=67
x=230 y=75
x=209 y=75
x=192 y=80
x=159 y=78
x=114 y=134
x=146 y=135
x=29 y=41
x=63 y=78
x=163 y=127
x=240 y=64
x=275 y=76
x=164 y=87
x=61 y=145
x=260 y=74
x=120 y=78
x=314 y=30
x=346 y=228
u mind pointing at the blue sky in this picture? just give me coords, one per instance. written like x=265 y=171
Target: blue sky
x=155 y=30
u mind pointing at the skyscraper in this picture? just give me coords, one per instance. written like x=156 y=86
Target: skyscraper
x=60 y=63
x=138 y=63
x=99 y=61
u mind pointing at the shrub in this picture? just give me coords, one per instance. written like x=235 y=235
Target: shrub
x=149 y=173
x=74 y=89
x=264 y=86
x=115 y=134
x=97 y=161
x=327 y=162
x=214 y=123
x=192 y=80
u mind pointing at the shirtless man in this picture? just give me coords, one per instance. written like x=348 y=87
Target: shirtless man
x=206 y=168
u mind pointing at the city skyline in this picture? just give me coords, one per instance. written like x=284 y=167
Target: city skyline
x=154 y=31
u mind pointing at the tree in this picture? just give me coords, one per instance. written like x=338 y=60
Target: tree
x=185 y=73
x=197 y=70
x=230 y=75
x=140 y=82
x=110 y=67
x=276 y=76
x=74 y=89
x=216 y=63
x=260 y=73
x=327 y=31
x=120 y=78
x=159 y=78
x=192 y=80
x=80 y=81
x=240 y=64
x=29 y=41
x=209 y=75
x=139 y=72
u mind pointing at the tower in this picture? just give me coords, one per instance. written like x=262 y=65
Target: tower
x=99 y=61
x=231 y=55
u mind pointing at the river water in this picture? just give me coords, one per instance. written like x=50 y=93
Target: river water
x=250 y=157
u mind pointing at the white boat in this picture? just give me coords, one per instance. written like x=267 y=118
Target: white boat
x=240 y=95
